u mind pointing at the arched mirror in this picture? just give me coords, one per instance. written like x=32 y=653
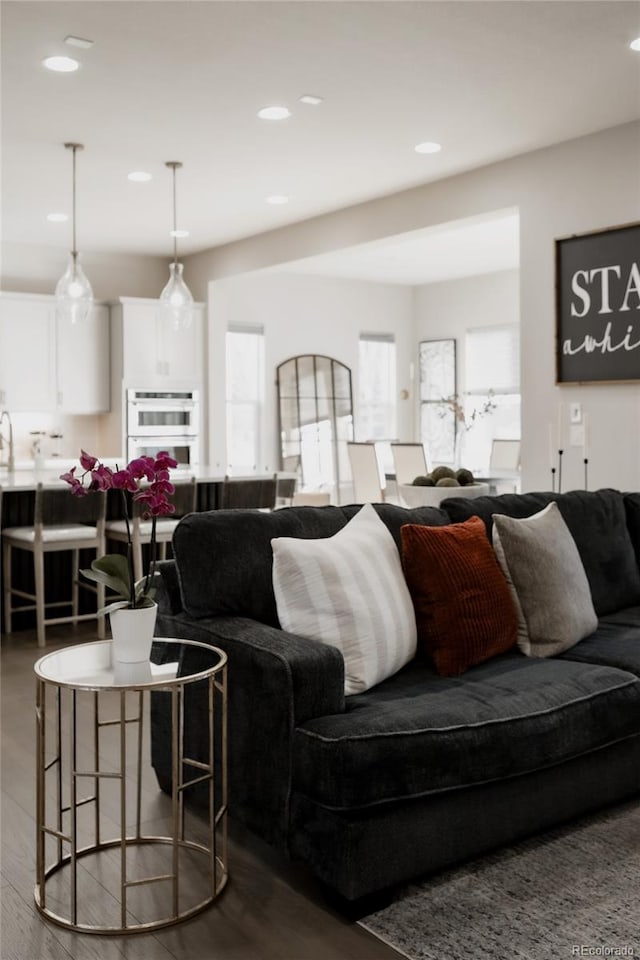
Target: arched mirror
x=315 y=412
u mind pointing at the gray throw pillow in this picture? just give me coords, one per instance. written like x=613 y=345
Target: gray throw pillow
x=544 y=571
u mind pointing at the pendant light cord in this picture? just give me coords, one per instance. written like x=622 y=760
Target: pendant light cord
x=173 y=165
x=175 y=220
x=74 y=147
x=74 y=252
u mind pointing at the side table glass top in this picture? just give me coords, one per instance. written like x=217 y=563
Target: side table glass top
x=90 y=666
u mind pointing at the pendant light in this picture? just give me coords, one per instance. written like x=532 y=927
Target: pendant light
x=176 y=300
x=74 y=296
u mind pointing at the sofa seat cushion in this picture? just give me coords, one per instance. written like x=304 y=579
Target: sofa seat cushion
x=616 y=642
x=598 y=523
x=418 y=733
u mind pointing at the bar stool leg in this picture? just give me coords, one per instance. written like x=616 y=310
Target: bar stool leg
x=38 y=571
x=75 y=563
x=6 y=568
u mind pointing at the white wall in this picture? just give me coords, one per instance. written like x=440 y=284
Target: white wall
x=582 y=185
x=449 y=309
x=27 y=268
x=304 y=314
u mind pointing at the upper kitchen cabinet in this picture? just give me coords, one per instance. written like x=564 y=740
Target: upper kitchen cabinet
x=47 y=365
x=149 y=353
x=83 y=363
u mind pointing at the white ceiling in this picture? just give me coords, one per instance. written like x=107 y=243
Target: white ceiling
x=183 y=81
x=462 y=248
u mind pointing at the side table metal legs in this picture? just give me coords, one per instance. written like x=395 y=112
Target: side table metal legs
x=66 y=718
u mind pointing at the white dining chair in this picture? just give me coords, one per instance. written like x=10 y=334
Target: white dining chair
x=367 y=480
x=409 y=461
x=504 y=466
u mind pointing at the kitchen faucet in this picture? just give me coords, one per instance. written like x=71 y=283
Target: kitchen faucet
x=10 y=464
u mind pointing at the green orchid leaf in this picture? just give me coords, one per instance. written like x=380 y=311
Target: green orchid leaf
x=111 y=570
x=117 y=605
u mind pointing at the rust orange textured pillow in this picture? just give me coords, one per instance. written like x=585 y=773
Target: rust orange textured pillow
x=464 y=610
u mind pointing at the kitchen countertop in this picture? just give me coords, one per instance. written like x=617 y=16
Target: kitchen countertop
x=27 y=477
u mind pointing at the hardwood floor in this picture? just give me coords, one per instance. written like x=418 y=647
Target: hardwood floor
x=270 y=910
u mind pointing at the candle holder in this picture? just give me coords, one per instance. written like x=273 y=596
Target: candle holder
x=560 y=452
x=553 y=479
x=586 y=473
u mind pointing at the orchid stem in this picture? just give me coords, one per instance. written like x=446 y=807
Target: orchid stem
x=153 y=549
x=132 y=581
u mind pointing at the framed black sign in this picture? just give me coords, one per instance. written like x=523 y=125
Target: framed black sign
x=598 y=306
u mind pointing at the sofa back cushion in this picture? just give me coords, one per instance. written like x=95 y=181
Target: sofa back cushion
x=632 y=507
x=598 y=524
x=224 y=557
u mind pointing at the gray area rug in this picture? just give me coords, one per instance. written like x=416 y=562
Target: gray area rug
x=571 y=892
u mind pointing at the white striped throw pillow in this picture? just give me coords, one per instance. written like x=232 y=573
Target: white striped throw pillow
x=349 y=591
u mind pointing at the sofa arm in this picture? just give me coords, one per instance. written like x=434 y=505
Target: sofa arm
x=167 y=588
x=276 y=681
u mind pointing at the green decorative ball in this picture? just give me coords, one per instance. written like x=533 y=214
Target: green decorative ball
x=439 y=472
x=423 y=482
x=464 y=477
x=447 y=482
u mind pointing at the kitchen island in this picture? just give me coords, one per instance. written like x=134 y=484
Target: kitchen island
x=18 y=497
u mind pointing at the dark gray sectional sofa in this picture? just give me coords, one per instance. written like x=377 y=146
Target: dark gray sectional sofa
x=420 y=771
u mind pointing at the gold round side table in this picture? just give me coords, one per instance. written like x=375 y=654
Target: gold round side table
x=123 y=857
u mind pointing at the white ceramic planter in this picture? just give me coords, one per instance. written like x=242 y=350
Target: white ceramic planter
x=433 y=496
x=132 y=632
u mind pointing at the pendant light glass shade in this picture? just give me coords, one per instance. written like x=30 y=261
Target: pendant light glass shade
x=74 y=296
x=176 y=300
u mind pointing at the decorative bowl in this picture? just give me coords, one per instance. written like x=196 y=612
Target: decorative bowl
x=433 y=496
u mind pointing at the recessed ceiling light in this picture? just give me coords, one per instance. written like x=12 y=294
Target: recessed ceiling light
x=61 y=64
x=635 y=44
x=78 y=42
x=310 y=98
x=429 y=146
x=274 y=113
x=277 y=198
x=178 y=233
x=139 y=176
x=57 y=217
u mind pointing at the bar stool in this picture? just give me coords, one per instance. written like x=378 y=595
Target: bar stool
x=257 y=493
x=60 y=522
x=184 y=500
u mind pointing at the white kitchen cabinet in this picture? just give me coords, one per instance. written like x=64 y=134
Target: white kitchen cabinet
x=152 y=354
x=46 y=365
x=27 y=354
x=83 y=363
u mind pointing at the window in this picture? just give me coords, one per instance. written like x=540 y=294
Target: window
x=492 y=377
x=377 y=396
x=245 y=397
x=437 y=370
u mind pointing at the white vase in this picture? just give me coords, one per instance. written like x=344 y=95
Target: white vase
x=132 y=632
